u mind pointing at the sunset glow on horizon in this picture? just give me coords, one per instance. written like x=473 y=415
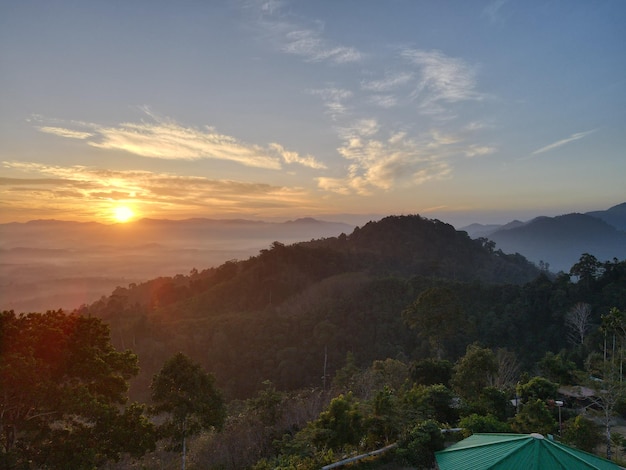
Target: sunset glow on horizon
x=473 y=111
x=123 y=214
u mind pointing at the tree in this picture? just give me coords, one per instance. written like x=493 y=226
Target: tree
x=430 y=402
x=482 y=423
x=340 y=425
x=431 y=371
x=62 y=391
x=508 y=368
x=383 y=422
x=534 y=417
x=537 y=388
x=437 y=316
x=187 y=394
x=608 y=385
x=558 y=368
x=587 y=269
x=582 y=433
x=474 y=371
x=577 y=321
x=418 y=447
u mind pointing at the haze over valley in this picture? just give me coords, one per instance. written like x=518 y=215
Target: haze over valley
x=48 y=264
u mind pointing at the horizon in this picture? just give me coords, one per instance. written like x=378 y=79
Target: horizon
x=458 y=221
x=480 y=112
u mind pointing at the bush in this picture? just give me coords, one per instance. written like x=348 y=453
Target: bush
x=581 y=433
x=419 y=446
x=477 y=423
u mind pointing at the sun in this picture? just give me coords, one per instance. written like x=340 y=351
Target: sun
x=123 y=213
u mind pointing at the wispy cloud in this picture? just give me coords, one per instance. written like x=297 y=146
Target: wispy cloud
x=310 y=45
x=560 y=143
x=492 y=10
x=334 y=100
x=166 y=139
x=81 y=188
x=294 y=157
x=479 y=150
x=389 y=82
x=298 y=37
x=443 y=78
x=69 y=133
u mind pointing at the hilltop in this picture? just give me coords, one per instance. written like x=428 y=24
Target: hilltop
x=276 y=313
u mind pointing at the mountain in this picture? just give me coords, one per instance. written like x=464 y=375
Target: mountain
x=615 y=216
x=50 y=264
x=560 y=241
x=480 y=230
x=273 y=315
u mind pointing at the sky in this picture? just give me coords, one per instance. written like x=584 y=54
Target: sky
x=480 y=111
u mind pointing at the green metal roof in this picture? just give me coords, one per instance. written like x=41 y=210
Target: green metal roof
x=517 y=452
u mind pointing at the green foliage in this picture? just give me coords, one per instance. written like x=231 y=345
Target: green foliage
x=432 y=371
x=345 y=377
x=62 y=385
x=537 y=388
x=557 y=368
x=534 y=417
x=490 y=401
x=296 y=462
x=436 y=315
x=582 y=433
x=474 y=371
x=430 y=402
x=266 y=405
x=418 y=447
x=475 y=423
x=383 y=424
x=339 y=426
x=189 y=398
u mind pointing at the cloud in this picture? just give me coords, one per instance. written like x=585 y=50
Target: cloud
x=492 y=10
x=443 y=78
x=334 y=100
x=384 y=163
x=384 y=101
x=294 y=157
x=382 y=150
x=479 y=150
x=389 y=82
x=310 y=45
x=560 y=143
x=79 y=188
x=69 y=133
x=292 y=36
x=166 y=139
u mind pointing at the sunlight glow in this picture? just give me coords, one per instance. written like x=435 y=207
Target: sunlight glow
x=123 y=213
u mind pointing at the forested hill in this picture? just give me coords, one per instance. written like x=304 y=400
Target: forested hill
x=272 y=316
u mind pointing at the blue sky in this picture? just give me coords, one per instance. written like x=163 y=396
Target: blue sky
x=465 y=111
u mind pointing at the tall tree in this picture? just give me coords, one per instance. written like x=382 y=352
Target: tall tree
x=587 y=269
x=610 y=389
x=62 y=385
x=475 y=371
x=437 y=316
x=188 y=396
x=578 y=321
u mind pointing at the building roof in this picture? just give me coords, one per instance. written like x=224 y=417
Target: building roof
x=517 y=452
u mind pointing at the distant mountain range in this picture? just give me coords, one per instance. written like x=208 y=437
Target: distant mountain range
x=560 y=241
